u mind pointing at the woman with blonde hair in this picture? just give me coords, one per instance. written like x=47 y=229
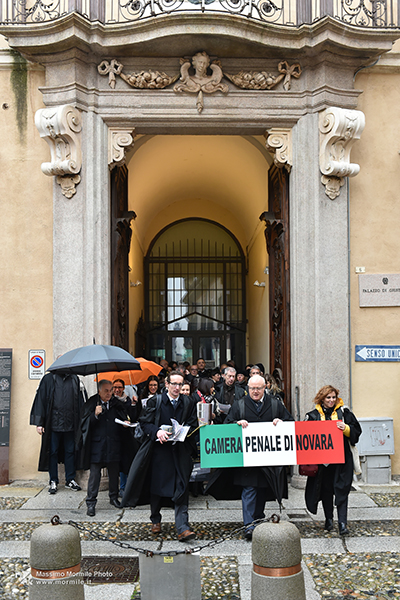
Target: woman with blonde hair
x=333 y=481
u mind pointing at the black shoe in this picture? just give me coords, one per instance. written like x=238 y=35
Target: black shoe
x=91 y=511
x=343 y=529
x=328 y=524
x=72 y=485
x=248 y=534
x=115 y=502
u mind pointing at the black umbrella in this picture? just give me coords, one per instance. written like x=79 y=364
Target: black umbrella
x=97 y=358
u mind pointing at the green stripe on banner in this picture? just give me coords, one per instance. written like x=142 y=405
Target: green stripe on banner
x=221 y=446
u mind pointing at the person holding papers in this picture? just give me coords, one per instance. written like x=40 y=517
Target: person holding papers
x=258 y=484
x=161 y=470
x=333 y=480
x=102 y=438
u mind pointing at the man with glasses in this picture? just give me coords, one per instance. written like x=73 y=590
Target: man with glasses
x=167 y=466
x=255 y=482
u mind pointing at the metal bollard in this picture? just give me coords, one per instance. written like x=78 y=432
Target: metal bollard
x=55 y=559
x=276 y=554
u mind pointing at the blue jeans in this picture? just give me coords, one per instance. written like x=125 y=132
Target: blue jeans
x=122 y=481
x=253 y=502
x=68 y=438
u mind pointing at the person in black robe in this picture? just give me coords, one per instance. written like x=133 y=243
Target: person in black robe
x=333 y=481
x=161 y=470
x=57 y=412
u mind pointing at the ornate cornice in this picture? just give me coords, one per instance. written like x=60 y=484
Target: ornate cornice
x=60 y=127
x=120 y=140
x=339 y=129
x=46 y=39
x=279 y=141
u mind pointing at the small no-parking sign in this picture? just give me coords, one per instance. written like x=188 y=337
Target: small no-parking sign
x=36 y=364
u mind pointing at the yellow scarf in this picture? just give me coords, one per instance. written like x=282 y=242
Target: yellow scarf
x=334 y=416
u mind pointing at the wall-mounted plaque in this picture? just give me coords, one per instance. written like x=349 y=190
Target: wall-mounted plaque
x=379 y=290
x=5 y=395
x=5 y=405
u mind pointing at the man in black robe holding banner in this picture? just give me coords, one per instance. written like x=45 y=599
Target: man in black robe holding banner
x=258 y=484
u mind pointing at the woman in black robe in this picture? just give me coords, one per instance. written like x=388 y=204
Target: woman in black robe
x=333 y=481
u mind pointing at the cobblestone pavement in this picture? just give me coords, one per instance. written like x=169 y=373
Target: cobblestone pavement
x=337 y=573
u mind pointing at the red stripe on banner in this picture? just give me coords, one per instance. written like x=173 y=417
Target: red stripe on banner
x=319 y=442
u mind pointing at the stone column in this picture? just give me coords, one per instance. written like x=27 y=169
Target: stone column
x=319 y=273
x=81 y=242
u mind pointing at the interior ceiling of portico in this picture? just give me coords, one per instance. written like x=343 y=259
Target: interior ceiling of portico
x=222 y=178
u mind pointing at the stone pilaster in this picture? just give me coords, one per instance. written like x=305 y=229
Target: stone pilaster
x=319 y=273
x=81 y=241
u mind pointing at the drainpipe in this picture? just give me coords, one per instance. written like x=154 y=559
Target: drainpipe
x=348 y=294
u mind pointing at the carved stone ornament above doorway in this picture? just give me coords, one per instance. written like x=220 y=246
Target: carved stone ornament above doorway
x=120 y=140
x=200 y=82
x=61 y=127
x=261 y=80
x=279 y=141
x=339 y=129
x=149 y=79
x=201 y=75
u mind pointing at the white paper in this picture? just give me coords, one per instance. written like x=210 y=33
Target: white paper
x=125 y=423
x=179 y=432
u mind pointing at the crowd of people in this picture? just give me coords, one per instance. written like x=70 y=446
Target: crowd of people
x=127 y=428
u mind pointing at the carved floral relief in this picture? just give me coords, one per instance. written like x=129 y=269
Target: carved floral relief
x=142 y=80
x=261 y=80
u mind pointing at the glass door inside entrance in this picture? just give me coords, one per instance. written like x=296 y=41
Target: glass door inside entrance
x=195 y=294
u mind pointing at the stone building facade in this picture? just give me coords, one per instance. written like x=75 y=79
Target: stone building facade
x=276 y=124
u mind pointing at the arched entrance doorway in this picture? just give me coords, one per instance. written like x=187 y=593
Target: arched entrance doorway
x=195 y=294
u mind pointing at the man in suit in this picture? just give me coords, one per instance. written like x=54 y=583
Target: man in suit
x=104 y=437
x=257 y=407
x=164 y=466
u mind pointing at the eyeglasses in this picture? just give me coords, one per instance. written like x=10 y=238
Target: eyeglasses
x=175 y=384
x=257 y=389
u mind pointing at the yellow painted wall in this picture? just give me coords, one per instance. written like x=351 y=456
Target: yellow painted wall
x=258 y=301
x=375 y=242
x=136 y=294
x=26 y=217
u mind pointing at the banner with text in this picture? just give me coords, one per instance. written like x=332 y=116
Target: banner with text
x=263 y=444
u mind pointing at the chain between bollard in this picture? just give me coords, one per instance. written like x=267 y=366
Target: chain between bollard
x=149 y=553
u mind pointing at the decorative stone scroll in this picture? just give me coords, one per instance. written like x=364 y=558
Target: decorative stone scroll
x=61 y=127
x=261 y=80
x=143 y=79
x=200 y=82
x=279 y=141
x=339 y=129
x=120 y=140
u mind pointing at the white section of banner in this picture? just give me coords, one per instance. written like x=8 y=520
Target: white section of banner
x=269 y=444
